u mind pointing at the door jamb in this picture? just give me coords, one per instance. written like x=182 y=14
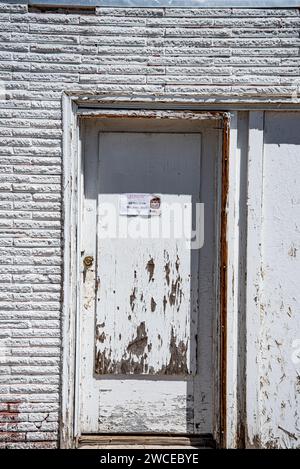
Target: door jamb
x=71 y=226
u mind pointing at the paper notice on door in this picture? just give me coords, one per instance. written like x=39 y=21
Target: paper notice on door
x=139 y=204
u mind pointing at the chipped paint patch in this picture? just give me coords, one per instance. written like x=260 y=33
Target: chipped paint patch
x=167 y=271
x=153 y=305
x=132 y=299
x=165 y=301
x=150 y=268
x=292 y=252
x=178 y=357
x=138 y=344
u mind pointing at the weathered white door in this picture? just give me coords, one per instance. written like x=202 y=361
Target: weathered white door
x=147 y=302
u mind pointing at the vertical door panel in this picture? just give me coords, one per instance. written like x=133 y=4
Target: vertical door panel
x=143 y=304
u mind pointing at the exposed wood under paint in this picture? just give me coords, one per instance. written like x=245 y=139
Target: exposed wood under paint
x=148 y=440
x=149 y=114
x=223 y=279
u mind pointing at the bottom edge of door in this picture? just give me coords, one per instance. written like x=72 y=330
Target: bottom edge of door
x=145 y=440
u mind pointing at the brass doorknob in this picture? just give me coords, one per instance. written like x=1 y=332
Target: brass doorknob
x=88 y=261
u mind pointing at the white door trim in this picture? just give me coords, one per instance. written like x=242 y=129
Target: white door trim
x=71 y=227
x=70 y=270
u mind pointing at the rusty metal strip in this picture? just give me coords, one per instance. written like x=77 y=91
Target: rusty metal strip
x=223 y=279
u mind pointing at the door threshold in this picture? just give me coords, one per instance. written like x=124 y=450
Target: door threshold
x=145 y=441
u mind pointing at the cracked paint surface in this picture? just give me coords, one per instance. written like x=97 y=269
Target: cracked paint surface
x=144 y=302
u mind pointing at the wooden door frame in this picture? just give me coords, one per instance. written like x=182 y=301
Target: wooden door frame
x=73 y=108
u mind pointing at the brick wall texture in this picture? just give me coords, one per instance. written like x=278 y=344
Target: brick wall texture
x=201 y=54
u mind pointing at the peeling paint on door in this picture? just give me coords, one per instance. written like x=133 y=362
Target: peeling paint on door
x=133 y=276
x=143 y=370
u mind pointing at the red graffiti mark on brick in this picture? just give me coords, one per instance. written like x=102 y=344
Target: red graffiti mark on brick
x=9 y=414
x=10 y=411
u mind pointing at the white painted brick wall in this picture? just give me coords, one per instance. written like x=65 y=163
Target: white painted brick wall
x=201 y=53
